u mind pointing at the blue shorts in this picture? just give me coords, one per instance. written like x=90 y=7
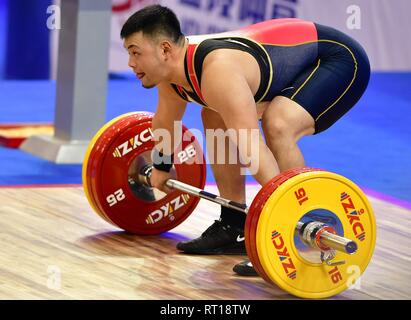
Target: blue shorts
x=333 y=84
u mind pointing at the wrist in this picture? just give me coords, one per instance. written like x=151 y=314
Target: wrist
x=161 y=161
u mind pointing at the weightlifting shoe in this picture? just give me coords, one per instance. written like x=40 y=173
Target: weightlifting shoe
x=245 y=268
x=217 y=239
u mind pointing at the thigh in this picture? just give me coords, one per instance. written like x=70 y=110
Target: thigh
x=284 y=116
x=330 y=88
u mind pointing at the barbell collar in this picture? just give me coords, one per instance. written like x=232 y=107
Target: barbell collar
x=327 y=239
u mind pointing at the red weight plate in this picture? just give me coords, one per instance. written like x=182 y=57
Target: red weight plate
x=251 y=225
x=90 y=159
x=249 y=233
x=113 y=154
x=103 y=138
x=177 y=199
x=255 y=211
x=254 y=221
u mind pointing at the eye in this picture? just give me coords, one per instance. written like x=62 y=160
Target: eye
x=136 y=53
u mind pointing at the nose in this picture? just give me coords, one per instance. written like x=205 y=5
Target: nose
x=131 y=63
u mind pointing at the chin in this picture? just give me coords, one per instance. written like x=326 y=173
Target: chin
x=148 y=86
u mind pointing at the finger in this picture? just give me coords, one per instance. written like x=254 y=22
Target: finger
x=167 y=189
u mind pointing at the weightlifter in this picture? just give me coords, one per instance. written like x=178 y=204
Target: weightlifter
x=296 y=77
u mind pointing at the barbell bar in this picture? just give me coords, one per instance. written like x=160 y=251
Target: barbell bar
x=317 y=236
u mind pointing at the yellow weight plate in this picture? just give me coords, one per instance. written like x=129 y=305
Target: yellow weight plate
x=275 y=236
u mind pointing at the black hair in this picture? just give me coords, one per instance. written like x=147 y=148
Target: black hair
x=152 y=21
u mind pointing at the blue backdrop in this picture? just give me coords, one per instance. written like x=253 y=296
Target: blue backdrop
x=3 y=24
x=24 y=39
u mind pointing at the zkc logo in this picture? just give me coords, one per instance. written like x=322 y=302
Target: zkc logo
x=353 y=216
x=283 y=254
x=168 y=209
x=135 y=142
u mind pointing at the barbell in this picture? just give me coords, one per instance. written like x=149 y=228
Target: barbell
x=300 y=227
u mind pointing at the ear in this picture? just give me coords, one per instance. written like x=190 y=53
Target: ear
x=166 y=48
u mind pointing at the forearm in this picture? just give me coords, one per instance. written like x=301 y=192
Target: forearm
x=164 y=135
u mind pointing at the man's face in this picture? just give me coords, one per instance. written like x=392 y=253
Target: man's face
x=145 y=58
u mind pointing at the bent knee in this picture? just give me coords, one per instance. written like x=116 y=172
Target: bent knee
x=280 y=127
x=277 y=128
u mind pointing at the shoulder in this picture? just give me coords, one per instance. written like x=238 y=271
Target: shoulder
x=223 y=67
x=223 y=84
x=219 y=64
x=218 y=71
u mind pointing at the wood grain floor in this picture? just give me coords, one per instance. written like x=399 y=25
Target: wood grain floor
x=52 y=246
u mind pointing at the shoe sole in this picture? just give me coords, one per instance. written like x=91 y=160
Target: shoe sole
x=242 y=269
x=224 y=251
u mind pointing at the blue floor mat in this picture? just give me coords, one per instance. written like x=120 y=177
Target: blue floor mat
x=370 y=145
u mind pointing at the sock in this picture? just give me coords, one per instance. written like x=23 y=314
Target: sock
x=233 y=217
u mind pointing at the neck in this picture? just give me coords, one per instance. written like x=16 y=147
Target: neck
x=177 y=74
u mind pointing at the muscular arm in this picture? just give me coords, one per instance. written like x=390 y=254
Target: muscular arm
x=227 y=91
x=170 y=108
